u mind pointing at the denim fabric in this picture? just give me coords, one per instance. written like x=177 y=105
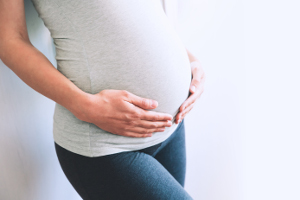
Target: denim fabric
x=153 y=173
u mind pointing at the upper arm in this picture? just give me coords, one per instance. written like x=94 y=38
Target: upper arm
x=12 y=20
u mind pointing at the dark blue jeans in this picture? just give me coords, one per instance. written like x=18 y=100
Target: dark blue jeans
x=153 y=173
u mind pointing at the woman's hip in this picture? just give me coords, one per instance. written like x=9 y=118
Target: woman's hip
x=125 y=175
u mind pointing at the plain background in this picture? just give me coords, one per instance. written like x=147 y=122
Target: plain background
x=242 y=135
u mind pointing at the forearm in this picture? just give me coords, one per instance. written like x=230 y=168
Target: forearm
x=30 y=65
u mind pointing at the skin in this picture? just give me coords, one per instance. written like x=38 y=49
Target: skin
x=122 y=112
x=196 y=88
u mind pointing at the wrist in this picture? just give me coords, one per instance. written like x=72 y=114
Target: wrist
x=81 y=105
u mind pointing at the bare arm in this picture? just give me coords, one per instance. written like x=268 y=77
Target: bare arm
x=122 y=112
x=29 y=64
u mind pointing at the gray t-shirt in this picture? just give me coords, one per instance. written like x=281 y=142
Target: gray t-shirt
x=115 y=44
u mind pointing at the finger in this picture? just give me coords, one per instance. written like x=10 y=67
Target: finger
x=154 y=116
x=198 y=76
x=191 y=99
x=138 y=135
x=197 y=73
x=197 y=82
x=177 y=118
x=140 y=130
x=182 y=114
x=187 y=110
x=153 y=124
x=141 y=102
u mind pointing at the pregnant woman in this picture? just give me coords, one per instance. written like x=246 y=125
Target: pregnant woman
x=123 y=85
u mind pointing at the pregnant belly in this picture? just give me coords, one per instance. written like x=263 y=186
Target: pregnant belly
x=163 y=74
x=142 y=55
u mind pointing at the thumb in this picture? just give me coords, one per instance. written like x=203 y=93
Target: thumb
x=141 y=102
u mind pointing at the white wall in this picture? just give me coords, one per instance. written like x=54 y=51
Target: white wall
x=213 y=31
x=272 y=49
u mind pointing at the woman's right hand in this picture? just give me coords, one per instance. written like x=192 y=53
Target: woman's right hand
x=123 y=113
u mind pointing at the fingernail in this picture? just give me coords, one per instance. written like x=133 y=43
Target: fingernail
x=153 y=103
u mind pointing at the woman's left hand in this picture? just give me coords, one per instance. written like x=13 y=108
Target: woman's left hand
x=196 y=89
